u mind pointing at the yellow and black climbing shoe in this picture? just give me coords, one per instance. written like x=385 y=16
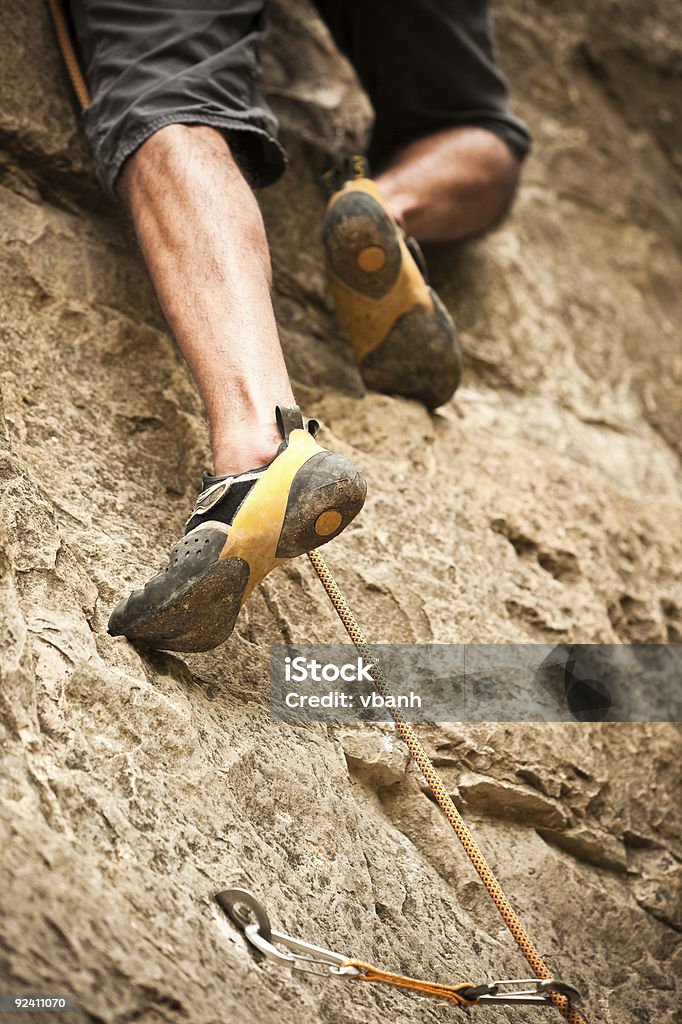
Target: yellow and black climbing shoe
x=403 y=336
x=241 y=528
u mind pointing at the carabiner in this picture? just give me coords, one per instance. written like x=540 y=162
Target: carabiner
x=242 y=907
x=497 y=992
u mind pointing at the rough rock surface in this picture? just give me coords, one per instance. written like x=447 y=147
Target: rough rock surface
x=542 y=504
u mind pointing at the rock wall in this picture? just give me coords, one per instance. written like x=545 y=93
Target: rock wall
x=542 y=504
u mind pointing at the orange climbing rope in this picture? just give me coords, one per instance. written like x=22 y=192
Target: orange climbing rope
x=437 y=787
x=63 y=34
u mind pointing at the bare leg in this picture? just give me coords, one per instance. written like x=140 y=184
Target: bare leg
x=203 y=239
x=450 y=185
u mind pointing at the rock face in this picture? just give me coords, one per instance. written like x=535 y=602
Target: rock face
x=543 y=504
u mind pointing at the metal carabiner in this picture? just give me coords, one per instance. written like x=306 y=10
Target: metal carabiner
x=249 y=914
x=537 y=994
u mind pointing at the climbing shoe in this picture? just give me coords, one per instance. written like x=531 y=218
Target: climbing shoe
x=241 y=528
x=403 y=336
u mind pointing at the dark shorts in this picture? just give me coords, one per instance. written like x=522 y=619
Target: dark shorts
x=425 y=64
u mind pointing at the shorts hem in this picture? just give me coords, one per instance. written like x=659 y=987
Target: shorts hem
x=512 y=132
x=260 y=173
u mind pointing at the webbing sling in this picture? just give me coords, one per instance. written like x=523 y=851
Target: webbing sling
x=456 y=994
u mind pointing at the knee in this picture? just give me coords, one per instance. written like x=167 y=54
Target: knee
x=174 y=151
x=454 y=184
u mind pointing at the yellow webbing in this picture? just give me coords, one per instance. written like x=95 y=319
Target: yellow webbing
x=437 y=787
x=454 y=993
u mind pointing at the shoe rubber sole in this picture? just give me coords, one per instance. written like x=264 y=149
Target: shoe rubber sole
x=403 y=337
x=304 y=499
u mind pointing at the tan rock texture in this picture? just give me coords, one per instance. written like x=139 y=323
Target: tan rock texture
x=542 y=504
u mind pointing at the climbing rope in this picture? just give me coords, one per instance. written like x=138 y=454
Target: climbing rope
x=73 y=70
x=442 y=797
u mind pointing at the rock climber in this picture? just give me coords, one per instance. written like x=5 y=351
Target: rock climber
x=182 y=135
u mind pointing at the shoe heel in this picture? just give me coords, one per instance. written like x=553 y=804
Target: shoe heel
x=418 y=342
x=326 y=495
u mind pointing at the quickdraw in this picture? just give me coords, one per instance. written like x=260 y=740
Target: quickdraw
x=249 y=914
